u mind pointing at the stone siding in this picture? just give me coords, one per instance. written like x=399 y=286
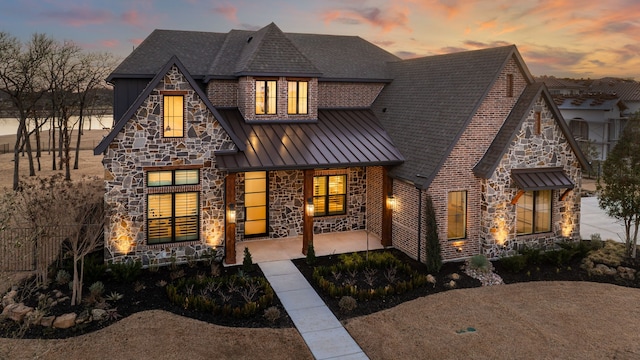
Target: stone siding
x=333 y=94
x=547 y=149
x=140 y=145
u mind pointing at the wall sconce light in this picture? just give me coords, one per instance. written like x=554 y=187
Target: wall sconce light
x=310 y=207
x=231 y=213
x=391 y=201
x=459 y=249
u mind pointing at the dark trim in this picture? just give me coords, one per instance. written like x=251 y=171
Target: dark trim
x=267 y=212
x=327 y=79
x=173 y=217
x=277 y=74
x=312 y=166
x=327 y=195
x=286 y=121
x=533 y=218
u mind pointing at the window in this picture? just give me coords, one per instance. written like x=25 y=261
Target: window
x=579 y=129
x=509 y=85
x=297 y=95
x=533 y=212
x=330 y=195
x=173 y=209
x=457 y=215
x=173 y=120
x=537 y=126
x=255 y=203
x=266 y=92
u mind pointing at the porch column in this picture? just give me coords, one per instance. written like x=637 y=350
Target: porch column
x=230 y=224
x=387 y=211
x=307 y=229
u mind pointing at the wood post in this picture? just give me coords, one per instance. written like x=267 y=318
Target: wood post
x=307 y=229
x=230 y=228
x=387 y=211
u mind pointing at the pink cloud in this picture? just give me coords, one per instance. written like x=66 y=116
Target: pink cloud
x=230 y=12
x=131 y=17
x=110 y=43
x=386 y=19
x=80 y=16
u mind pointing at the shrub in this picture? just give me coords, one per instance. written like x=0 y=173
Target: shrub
x=311 y=255
x=125 y=272
x=514 y=263
x=96 y=289
x=272 y=314
x=347 y=303
x=247 y=261
x=94 y=267
x=63 y=277
x=533 y=255
x=479 y=263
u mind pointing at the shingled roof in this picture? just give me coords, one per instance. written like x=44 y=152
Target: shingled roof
x=487 y=165
x=430 y=102
x=209 y=55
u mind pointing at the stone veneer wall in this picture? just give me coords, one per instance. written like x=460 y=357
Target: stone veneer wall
x=456 y=174
x=247 y=99
x=333 y=94
x=140 y=145
x=548 y=149
x=286 y=204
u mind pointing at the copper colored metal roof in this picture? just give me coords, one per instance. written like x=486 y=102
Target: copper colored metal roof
x=340 y=138
x=541 y=179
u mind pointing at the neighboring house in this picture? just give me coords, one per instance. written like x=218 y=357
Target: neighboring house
x=627 y=90
x=594 y=118
x=225 y=137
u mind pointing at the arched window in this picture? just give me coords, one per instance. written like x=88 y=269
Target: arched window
x=579 y=128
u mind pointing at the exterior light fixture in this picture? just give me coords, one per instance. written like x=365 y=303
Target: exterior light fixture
x=310 y=207
x=459 y=249
x=231 y=213
x=391 y=201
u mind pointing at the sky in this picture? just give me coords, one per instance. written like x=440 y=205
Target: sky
x=562 y=38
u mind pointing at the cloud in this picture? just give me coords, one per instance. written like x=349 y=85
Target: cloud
x=79 y=16
x=406 y=54
x=386 y=19
x=131 y=17
x=230 y=12
x=110 y=43
x=483 y=45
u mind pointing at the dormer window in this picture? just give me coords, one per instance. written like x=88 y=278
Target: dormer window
x=297 y=97
x=266 y=94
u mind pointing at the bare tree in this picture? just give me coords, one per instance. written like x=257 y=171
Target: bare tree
x=21 y=77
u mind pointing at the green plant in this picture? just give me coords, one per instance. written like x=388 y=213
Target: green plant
x=479 y=263
x=533 y=255
x=311 y=255
x=63 y=277
x=114 y=296
x=247 y=261
x=347 y=303
x=94 y=267
x=96 y=289
x=272 y=314
x=514 y=263
x=125 y=272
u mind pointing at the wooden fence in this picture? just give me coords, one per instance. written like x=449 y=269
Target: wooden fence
x=27 y=249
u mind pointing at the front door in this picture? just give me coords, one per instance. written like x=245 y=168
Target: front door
x=255 y=202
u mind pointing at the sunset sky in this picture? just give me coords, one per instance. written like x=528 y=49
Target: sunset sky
x=565 y=38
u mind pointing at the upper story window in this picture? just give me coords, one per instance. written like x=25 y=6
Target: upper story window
x=266 y=94
x=173 y=116
x=297 y=97
x=579 y=129
x=509 y=85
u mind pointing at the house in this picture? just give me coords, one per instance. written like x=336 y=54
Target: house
x=596 y=119
x=223 y=138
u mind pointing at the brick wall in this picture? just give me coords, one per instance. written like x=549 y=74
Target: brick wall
x=223 y=93
x=344 y=94
x=374 y=200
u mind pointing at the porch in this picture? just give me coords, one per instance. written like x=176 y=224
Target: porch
x=323 y=244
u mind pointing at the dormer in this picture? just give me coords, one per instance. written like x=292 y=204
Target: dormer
x=276 y=82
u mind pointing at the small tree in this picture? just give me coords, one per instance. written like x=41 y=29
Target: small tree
x=434 y=257
x=619 y=186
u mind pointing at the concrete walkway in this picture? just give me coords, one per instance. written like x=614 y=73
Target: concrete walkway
x=324 y=334
x=594 y=220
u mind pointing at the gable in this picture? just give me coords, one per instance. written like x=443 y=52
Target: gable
x=173 y=62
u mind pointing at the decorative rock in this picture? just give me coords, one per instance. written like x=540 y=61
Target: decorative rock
x=16 y=312
x=83 y=317
x=605 y=270
x=98 y=314
x=626 y=273
x=47 y=321
x=65 y=321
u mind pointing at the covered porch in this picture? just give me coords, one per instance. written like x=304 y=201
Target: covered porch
x=324 y=244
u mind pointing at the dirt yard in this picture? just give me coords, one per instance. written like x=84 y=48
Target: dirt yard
x=536 y=320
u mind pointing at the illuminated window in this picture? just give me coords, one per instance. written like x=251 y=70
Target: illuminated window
x=533 y=212
x=173 y=120
x=330 y=195
x=297 y=95
x=457 y=215
x=266 y=92
x=509 y=85
x=173 y=214
x=255 y=203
